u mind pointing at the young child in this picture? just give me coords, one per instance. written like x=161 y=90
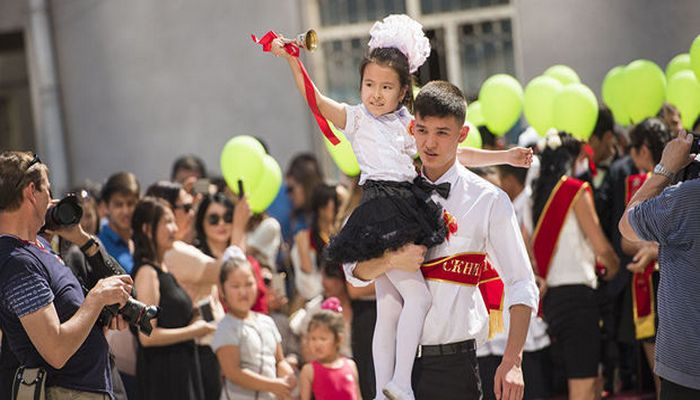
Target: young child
x=248 y=344
x=330 y=376
x=395 y=208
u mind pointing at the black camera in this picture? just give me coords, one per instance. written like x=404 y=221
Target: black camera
x=692 y=171
x=136 y=313
x=64 y=213
x=68 y=212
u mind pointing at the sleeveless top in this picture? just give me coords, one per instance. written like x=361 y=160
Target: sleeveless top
x=573 y=262
x=334 y=383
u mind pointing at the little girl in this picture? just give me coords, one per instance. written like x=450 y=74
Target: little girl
x=393 y=211
x=248 y=344
x=330 y=376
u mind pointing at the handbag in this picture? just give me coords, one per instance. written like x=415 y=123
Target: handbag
x=29 y=384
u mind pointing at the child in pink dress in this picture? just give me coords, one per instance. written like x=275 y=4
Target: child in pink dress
x=330 y=376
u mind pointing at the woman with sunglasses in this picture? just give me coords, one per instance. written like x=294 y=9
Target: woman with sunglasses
x=181 y=203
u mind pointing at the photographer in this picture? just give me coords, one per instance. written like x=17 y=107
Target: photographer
x=47 y=319
x=669 y=216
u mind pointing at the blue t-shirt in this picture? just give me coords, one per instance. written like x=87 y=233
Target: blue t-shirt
x=673 y=220
x=116 y=247
x=31 y=278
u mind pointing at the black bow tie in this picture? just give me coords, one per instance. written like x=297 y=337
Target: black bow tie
x=442 y=189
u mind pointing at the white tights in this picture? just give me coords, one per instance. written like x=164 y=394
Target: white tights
x=403 y=300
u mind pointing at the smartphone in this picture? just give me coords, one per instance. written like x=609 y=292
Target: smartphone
x=241 y=192
x=201 y=186
x=205 y=310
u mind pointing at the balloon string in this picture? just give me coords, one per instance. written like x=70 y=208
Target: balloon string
x=292 y=49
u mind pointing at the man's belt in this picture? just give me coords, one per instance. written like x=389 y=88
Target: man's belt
x=446 y=349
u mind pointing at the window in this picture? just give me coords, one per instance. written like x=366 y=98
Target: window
x=470 y=40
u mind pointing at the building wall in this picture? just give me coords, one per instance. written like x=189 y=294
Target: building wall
x=144 y=81
x=592 y=36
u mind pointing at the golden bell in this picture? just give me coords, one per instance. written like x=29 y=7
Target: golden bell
x=307 y=40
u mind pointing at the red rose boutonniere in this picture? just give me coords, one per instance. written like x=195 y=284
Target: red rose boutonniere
x=450 y=222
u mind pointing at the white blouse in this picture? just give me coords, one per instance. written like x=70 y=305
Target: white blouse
x=383 y=146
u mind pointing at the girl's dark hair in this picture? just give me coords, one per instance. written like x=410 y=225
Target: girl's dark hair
x=653 y=133
x=148 y=213
x=166 y=190
x=306 y=171
x=200 y=237
x=231 y=265
x=319 y=199
x=396 y=60
x=554 y=163
x=332 y=320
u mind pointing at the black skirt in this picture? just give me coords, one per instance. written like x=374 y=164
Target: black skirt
x=390 y=215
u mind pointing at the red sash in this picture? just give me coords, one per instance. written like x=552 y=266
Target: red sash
x=548 y=230
x=551 y=221
x=471 y=269
x=642 y=284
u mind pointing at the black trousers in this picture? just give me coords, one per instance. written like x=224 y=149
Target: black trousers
x=673 y=391
x=449 y=377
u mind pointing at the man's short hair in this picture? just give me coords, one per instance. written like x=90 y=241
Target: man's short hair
x=17 y=170
x=604 y=123
x=440 y=99
x=189 y=162
x=124 y=183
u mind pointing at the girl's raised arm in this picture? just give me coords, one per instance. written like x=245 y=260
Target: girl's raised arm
x=329 y=108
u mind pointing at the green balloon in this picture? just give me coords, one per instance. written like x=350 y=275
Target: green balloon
x=501 y=98
x=678 y=63
x=564 y=74
x=695 y=56
x=613 y=90
x=242 y=159
x=684 y=93
x=474 y=113
x=342 y=153
x=645 y=89
x=539 y=98
x=269 y=186
x=473 y=138
x=576 y=111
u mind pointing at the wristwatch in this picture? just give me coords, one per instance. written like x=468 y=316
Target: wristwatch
x=659 y=169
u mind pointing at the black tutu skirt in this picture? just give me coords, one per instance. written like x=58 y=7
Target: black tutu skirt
x=390 y=215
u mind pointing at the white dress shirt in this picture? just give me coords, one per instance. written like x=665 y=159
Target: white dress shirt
x=382 y=145
x=486 y=223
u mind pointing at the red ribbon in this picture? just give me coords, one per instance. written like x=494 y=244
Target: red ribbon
x=293 y=50
x=589 y=154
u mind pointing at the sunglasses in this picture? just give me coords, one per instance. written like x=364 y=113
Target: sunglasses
x=187 y=207
x=35 y=160
x=214 y=219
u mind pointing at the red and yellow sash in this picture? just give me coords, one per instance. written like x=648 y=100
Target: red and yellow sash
x=471 y=269
x=642 y=284
x=551 y=222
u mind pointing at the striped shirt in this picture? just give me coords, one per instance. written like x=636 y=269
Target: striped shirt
x=673 y=220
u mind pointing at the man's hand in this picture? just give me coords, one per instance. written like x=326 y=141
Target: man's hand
x=72 y=233
x=520 y=157
x=676 y=153
x=508 y=383
x=643 y=257
x=112 y=290
x=408 y=258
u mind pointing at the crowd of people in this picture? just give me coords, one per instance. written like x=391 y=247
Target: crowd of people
x=275 y=305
